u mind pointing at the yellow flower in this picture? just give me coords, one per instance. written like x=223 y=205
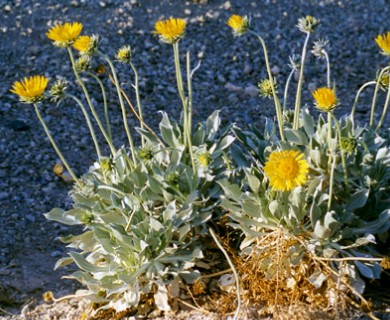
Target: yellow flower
x=239 y=24
x=86 y=44
x=383 y=42
x=286 y=170
x=170 y=30
x=325 y=99
x=124 y=54
x=65 y=34
x=266 y=86
x=204 y=159
x=30 y=90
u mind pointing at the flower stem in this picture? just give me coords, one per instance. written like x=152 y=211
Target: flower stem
x=112 y=148
x=180 y=88
x=189 y=111
x=327 y=68
x=329 y=136
x=137 y=115
x=276 y=99
x=358 y=95
x=375 y=96
x=53 y=143
x=236 y=277
x=384 y=108
x=87 y=118
x=343 y=160
x=185 y=101
x=300 y=81
x=286 y=89
x=137 y=96
x=104 y=103
x=118 y=89
x=331 y=182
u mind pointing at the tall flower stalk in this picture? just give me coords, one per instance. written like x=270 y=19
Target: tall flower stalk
x=54 y=144
x=364 y=86
x=387 y=102
x=374 y=98
x=278 y=106
x=89 y=123
x=90 y=104
x=105 y=106
x=122 y=104
x=307 y=25
x=300 y=81
x=171 y=31
x=138 y=99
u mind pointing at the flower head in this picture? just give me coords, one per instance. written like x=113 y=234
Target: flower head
x=384 y=80
x=83 y=63
x=100 y=69
x=307 y=24
x=383 y=42
x=86 y=44
x=348 y=144
x=286 y=170
x=239 y=24
x=295 y=62
x=266 y=87
x=146 y=154
x=319 y=48
x=204 y=159
x=58 y=169
x=105 y=165
x=30 y=90
x=325 y=99
x=170 y=30
x=48 y=296
x=124 y=54
x=65 y=34
x=57 y=90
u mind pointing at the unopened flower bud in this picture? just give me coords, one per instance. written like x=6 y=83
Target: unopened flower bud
x=307 y=24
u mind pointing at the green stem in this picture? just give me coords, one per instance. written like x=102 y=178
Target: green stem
x=88 y=119
x=118 y=89
x=276 y=99
x=331 y=182
x=299 y=88
x=286 y=89
x=330 y=137
x=104 y=103
x=376 y=95
x=137 y=96
x=236 y=277
x=53 y=143
x=384 y=108
x=327 y=68
x=112 y=148
x=179 y=80
x=189 y=111
x=343 y=160
x=358 y=95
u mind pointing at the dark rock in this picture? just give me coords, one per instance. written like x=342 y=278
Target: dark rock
x=18 y=125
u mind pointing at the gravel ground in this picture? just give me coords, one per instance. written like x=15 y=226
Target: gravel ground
x=230 y=69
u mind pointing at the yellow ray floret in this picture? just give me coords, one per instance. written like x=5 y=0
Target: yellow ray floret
x=325 y=99
x=65 y=34
x=82 y=43
x=286 y=170
x=239 y=24
x=30 y=90
x=170 y=30
x=383 y=42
